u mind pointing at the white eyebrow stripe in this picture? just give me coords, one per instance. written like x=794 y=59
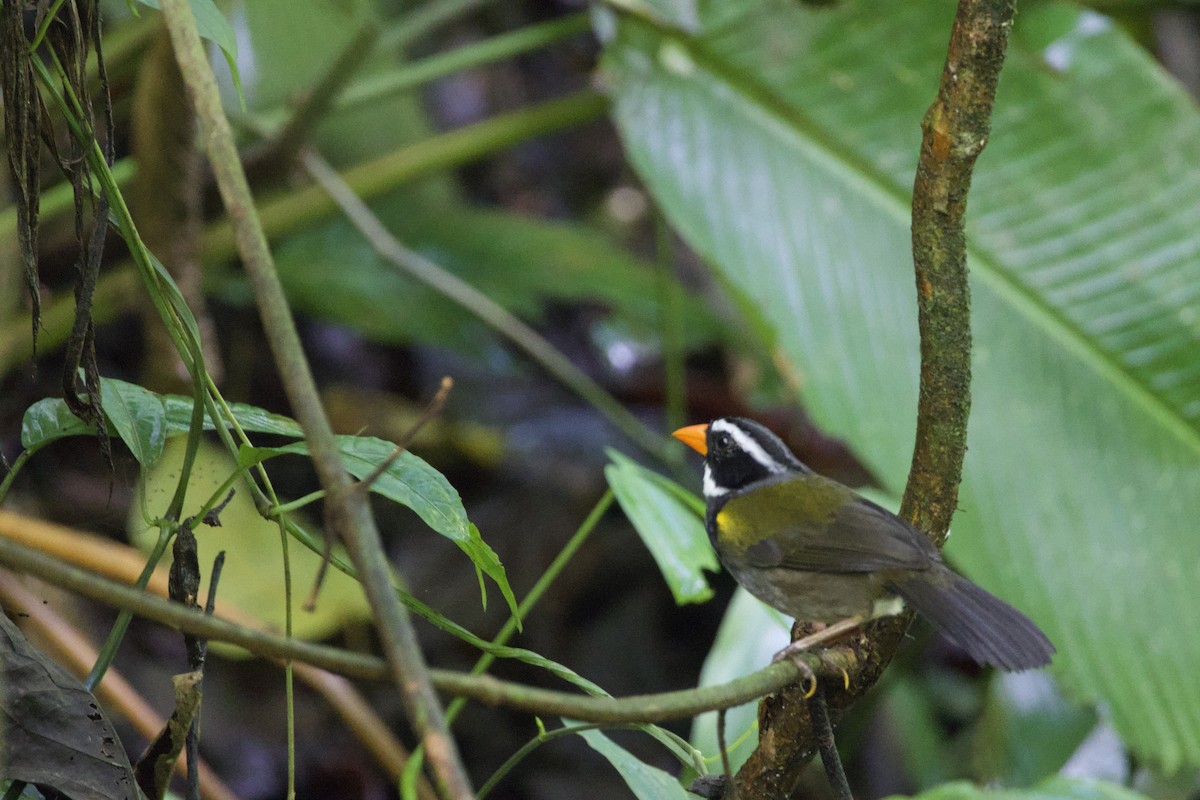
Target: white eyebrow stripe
x=749 y=445
x=711 y=489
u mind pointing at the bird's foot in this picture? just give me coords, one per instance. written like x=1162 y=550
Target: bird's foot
x=808 y=678
x=794 y=650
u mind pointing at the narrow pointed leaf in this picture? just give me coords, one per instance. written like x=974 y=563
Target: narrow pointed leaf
x=411 y=482
x=49 y=419
x=670 y=529
x=646 y=782
x=138 y=416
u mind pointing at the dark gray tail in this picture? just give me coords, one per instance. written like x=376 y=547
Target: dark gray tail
x=987 y=628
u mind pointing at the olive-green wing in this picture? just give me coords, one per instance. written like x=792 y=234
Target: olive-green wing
x=851 y=534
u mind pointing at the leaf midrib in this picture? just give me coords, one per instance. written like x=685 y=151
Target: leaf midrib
x=1021 y=298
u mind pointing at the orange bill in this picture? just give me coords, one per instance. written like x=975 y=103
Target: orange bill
x=694 y=436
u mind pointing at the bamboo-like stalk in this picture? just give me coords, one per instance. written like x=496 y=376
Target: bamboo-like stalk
x=348 y=515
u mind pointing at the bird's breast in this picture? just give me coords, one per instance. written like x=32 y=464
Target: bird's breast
x=766 y=511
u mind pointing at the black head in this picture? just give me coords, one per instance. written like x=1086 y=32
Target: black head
x=737 y=453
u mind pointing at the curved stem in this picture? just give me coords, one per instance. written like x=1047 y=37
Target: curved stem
x=112 y=643
x=13 y=469
x=485 y=308
x=491 y=691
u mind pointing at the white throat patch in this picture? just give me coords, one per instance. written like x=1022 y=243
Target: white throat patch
x=748 y=445
x=711 y=490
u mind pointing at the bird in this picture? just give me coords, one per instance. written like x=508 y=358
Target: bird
x=818 y=551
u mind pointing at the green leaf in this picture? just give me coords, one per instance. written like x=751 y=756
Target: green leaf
x=144 y=420
x=252 y=578
x=749 y=635
x=1055 y=788
x=212 y=25
x=411 y=482
x=138 y=416
x=47 y=420
x=1027 y=730
x=646 y=782
x=142 y=414
x=782 y=145
x=135 y=414
x=252 y=419
x=669 y=528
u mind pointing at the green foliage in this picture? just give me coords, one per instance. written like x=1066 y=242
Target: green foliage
x=136 y=415
x=646 y=782
x=250 y=419
x=411 y=482
x=750 y=634
x=782 y=143
x=780 y=139
x=253 y=578
x=212 y=25
x=139 y=417
x=49 y=419
x=144 y=420
x=669 y=527
x=1051 y=789
x=519 y=262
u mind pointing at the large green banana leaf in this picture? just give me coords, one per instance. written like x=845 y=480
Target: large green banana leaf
x=781 y=140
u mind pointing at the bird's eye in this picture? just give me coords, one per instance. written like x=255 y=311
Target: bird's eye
x=723 y=441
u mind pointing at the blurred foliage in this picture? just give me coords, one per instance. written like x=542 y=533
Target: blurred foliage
x=782 y=142
x=779 y=139
x=253 y=573
x=668 y=525
x=1051 y=789
x=524 y=264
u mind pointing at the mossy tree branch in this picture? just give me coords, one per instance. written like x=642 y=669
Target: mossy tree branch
x=955 y=130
